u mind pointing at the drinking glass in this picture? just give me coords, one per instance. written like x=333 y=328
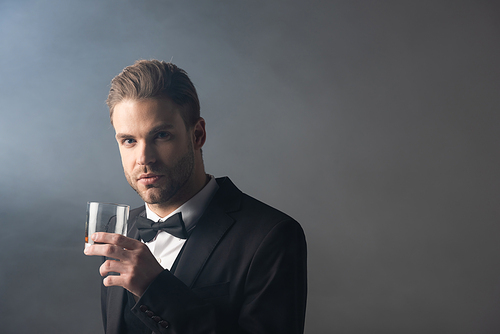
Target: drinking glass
x=105 y=217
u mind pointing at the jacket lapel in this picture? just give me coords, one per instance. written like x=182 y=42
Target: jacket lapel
x=208 y=232
x=200 y=245
x=133 y=232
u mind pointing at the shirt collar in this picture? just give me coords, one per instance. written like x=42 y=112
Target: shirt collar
x=193 y=208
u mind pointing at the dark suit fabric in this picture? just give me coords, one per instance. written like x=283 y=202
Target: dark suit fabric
x=242 y=270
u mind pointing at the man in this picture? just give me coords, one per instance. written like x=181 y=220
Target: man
x=226 y=263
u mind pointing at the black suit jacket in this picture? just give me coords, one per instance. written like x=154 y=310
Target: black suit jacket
x=242 y=270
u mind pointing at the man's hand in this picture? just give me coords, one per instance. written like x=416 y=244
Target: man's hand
x=137 y=266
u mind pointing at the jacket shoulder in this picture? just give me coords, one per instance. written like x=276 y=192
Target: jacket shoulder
x=137 y=211
x=238 y=203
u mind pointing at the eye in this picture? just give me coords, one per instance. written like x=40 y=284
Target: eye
x=163 y=135
x=128 y=141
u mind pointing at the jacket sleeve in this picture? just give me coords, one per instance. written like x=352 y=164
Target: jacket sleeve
x=276 y=287
x=274 y=298
x=169 y=306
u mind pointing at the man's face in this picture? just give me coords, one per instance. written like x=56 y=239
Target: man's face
x=156 y=149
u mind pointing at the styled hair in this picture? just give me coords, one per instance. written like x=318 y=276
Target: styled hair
x=156 y=79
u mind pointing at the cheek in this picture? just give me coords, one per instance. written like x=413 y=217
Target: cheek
x=127 y=162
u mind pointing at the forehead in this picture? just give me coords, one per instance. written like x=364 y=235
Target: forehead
x=144 y=114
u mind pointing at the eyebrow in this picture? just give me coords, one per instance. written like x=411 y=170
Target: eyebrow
x=161 y=127
x=158 y=128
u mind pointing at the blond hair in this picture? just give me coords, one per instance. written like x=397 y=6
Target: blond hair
x=156 y=79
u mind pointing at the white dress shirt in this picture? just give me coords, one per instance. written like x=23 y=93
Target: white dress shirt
x=165 y=247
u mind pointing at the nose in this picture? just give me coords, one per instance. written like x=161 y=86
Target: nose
x=146 y=154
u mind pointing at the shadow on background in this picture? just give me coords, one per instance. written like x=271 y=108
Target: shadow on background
x=374 y=124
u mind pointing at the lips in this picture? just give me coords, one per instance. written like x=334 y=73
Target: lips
x=147 y=179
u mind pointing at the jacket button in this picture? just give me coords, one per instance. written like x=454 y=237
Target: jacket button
x=164 y=324
x=143 y=308
x=149 y=314
x=156 y=318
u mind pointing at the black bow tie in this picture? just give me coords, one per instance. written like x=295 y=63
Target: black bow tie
x=173 y=225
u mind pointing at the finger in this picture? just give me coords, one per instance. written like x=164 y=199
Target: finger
x=120 y=281
x=108 y=250
x=113 y=281
x=111 y=266
x=116 y=239
x=125 y=282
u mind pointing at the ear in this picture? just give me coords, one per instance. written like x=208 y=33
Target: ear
x=199 y=134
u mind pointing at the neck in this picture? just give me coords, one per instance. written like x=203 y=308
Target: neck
x=188 y=191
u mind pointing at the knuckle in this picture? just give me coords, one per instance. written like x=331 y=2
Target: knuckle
x=107 y=265
x=110 y=249
x=119 y=239
x=114 y=238
x=134 y=257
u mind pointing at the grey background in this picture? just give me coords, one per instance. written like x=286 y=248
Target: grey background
x=373 y=123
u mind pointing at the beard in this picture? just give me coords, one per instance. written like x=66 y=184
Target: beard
x=174 y=178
